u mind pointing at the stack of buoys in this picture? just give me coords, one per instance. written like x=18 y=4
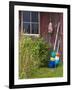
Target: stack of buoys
x=54 y=59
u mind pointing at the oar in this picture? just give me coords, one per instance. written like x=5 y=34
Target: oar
x=56 y=36
x=57 y=57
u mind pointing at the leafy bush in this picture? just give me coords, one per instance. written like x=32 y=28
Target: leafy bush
x=33 y=53
x=43 y=51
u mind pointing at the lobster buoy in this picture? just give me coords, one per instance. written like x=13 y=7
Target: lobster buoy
x=57 y=60
x=53 y=54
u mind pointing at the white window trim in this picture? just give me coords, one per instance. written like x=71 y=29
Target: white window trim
x=37 y=35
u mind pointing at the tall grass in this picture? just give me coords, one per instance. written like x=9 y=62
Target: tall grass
x=33 y=53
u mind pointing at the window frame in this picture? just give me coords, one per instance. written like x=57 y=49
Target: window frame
x=30 y=34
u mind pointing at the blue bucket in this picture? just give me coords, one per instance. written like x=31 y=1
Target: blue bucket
x=51 y=64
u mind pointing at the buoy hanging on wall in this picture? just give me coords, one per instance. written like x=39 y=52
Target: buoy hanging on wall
x=50 y=27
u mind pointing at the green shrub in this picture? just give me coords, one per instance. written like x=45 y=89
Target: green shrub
x=33 y=53
x=44 y=53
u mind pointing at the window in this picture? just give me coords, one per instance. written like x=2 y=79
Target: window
x=31 y=22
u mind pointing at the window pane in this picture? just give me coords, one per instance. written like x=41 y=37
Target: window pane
x=26 y=28
x=26 y=16
x=34 y=17
x=34 y=28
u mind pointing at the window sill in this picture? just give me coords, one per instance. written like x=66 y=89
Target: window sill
x=36 y=35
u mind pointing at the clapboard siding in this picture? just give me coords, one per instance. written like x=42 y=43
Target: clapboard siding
x=44 y=21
